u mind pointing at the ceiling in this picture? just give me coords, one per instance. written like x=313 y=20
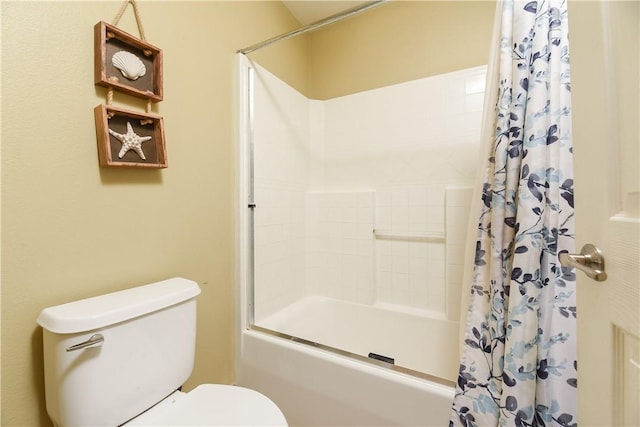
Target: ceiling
x=309 y=11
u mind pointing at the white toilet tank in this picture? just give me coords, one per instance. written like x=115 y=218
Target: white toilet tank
x=109 y=358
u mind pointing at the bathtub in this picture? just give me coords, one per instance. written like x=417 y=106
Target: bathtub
x=328 y=379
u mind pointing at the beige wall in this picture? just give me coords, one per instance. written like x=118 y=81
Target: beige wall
x=397 y=42
x=72 y=230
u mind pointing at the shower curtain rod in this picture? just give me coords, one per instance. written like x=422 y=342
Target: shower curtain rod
x=314 y=26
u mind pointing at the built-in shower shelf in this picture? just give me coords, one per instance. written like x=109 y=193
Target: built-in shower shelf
x=432 y=237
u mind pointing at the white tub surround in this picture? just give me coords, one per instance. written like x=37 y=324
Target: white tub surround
x=356 y=208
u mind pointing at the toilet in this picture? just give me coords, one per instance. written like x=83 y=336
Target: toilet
x=121 y=359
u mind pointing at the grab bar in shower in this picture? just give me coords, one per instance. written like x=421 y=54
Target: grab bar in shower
x=431 y=237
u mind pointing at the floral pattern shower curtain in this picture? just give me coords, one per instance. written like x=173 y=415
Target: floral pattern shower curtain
x=518 y=363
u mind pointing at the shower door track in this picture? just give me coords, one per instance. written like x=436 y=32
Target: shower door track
x=314 y=26
x=354 y=356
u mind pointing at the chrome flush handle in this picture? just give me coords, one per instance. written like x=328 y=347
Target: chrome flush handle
x=96 y=339
x=590 y=261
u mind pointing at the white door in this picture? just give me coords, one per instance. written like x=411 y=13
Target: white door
x=605 y=48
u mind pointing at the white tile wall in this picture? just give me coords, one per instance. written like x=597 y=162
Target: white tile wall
x=336 y=169
x=339 y=245
x=408 y=142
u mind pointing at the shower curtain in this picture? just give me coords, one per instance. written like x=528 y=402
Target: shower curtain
x=518 y=358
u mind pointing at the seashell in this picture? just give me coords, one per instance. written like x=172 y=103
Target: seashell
x=129 y=64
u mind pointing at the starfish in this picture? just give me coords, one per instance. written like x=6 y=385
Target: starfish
x=130 y=141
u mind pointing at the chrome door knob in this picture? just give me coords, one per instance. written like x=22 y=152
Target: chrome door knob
x=590 y=261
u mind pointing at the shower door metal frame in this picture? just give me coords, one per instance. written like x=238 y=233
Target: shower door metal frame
x=247 y=245
x=245 y=199
x=251 y=202
x=247 y=137
x=356 y=10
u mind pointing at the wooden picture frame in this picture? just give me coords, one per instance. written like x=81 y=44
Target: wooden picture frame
x=126 y=63
x=142 y=133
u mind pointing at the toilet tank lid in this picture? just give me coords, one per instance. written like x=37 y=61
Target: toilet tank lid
x=104 y=310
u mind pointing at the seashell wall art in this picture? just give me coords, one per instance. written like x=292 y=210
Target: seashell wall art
x=126 y=63
x=129 y=64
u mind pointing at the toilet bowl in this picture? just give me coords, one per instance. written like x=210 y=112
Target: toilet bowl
x=121 y=359
x=213 y=405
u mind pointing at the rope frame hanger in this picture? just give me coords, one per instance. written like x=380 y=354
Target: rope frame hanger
x=136 y=13
x=116 y=20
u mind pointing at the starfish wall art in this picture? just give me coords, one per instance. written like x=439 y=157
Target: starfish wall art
x=120 y=131
x=130 y=141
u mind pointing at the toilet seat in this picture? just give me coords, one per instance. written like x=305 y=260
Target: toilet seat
x=213 y=405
